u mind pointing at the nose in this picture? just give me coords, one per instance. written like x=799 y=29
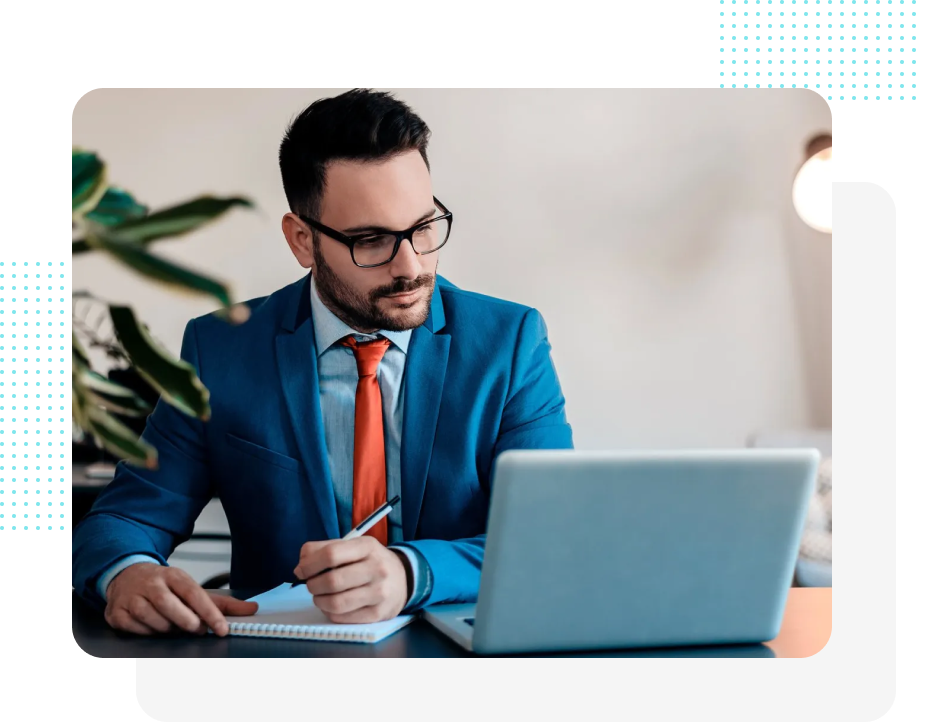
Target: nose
x=406 y=263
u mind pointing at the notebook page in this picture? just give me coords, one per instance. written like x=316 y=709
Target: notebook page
x=291 y=605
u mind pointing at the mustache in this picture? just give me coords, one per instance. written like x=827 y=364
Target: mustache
x=401 y=286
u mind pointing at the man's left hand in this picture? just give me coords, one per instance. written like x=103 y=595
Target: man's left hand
x=365 y=581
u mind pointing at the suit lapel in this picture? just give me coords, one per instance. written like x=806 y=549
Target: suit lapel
x=425 y=369
x=298 y=368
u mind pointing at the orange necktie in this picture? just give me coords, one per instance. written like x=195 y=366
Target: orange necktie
x=369 y=440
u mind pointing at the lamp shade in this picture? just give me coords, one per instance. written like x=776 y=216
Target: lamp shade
x=812 y=192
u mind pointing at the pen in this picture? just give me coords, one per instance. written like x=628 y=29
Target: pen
x=362 y=528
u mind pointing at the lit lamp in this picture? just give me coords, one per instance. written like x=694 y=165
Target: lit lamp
x=813 y=186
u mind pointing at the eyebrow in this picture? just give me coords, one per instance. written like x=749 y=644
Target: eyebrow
x=382 y=229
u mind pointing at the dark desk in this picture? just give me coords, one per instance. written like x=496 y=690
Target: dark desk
x=805 y=631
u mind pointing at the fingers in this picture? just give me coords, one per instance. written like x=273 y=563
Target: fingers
x=150 y=598
x=341 y=579
x=139 y=617
x=234 y=607
x=199 y=602
x=344 y=603
x=364 y=615
x=310 y=548
x=318 y=556
x=169 y=605
x=136 y=627
x=141 y=610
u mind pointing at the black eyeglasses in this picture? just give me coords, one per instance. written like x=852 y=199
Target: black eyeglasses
x=379 y=246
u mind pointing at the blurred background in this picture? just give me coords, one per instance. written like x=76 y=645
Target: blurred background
x=657 y=231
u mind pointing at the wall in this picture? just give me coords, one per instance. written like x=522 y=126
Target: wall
x=686 y=303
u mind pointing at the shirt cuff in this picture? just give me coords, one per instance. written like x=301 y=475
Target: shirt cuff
x=123 y=563
x=421 y=575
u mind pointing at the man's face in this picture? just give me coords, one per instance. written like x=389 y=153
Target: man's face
x=394 y=195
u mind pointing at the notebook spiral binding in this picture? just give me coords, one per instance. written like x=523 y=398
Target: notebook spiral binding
x=293 y=631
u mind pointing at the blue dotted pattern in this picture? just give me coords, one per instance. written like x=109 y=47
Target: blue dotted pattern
x=35 y=440
x=842 y=49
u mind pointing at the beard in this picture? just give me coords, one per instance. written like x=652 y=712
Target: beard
x=360 y=311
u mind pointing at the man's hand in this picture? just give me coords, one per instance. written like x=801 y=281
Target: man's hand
x=366 y=582
x=148 y=598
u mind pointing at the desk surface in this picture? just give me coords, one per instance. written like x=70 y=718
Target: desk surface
x=805 y=630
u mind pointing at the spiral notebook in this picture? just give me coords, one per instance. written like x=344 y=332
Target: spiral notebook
x=287 y=612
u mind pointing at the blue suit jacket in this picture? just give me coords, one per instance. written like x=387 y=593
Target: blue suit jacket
x=479 y=379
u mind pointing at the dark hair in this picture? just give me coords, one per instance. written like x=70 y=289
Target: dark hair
x=357 y=125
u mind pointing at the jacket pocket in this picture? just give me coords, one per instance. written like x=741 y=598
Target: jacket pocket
x=264 y=454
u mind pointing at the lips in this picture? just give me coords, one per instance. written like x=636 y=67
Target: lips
x=404 y=296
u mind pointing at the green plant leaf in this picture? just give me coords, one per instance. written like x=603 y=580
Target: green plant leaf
x=77 y=350
x=171 y=222
x=157 y=269
x=174 y=379
x=175 y=220
x=88 y=181
x=116 y=206
x=112 y=396
x=78 y=408
x=119 y=439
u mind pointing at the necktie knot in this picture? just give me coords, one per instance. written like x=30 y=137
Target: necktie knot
x=367 y=353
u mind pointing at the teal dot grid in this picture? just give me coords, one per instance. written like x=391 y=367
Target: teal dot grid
x=841 y=49
x=35 y=444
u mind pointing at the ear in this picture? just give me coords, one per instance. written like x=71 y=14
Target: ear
x=299 y=238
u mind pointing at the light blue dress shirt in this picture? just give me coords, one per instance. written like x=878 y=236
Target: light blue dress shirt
x=337 y=386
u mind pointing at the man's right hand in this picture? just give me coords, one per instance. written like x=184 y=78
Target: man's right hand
x=147 y=598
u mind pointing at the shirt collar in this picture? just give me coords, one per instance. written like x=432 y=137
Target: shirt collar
x=329 y=329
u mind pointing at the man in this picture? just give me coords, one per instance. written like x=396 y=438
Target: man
x=370 y=377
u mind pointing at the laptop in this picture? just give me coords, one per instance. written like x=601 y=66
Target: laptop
x=607 y=550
